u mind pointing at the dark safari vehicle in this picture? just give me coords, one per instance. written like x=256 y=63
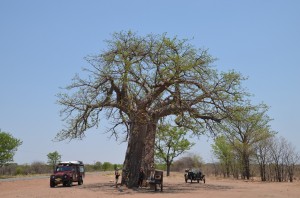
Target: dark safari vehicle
x=68 y=172
x=194 y=174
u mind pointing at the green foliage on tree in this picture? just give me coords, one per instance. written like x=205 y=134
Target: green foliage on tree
x=223 y=151
x=53 y=159
x=8 y=147
x=246 y=126
x=170 y=142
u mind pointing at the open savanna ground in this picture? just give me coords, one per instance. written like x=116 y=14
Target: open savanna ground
x=101 y=185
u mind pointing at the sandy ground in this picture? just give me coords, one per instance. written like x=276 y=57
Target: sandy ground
x=101 y=185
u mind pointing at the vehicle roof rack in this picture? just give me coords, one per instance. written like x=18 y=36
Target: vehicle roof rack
x=72 y=162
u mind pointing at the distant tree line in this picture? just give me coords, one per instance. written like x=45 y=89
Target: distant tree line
x=187 y=162
x=273 y=159
x=14 y=169
x=273 y=171
x=277 y=159
x=99 y=166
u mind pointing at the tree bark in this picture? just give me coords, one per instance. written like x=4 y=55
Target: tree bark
x=246 y=166
x=134 y=154
x=140 y=152
x=148 y=156
x=168 y=168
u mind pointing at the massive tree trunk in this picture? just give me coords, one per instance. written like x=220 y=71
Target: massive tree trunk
x=134 y=154
x=140 y=152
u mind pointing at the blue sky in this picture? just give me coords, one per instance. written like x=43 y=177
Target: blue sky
x=43 y=45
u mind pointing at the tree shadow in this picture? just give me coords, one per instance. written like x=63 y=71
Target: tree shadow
x=167 y=188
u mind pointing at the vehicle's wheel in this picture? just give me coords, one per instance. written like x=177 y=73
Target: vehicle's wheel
x=198 y=180
x=80 y=181
x=70 y=183
x=52 y=184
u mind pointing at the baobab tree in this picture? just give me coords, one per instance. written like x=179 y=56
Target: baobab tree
x=138 y=80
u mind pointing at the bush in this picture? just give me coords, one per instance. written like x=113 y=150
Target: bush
x=19 y=171
x=186 y=162
x=39 y=168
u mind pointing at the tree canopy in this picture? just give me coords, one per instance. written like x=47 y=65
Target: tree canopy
x=244 y=128
x=160 y=75
x=8 y=147
x=54 y=158
x=170 y=142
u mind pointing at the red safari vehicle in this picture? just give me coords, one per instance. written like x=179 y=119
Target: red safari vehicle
x=68 y=172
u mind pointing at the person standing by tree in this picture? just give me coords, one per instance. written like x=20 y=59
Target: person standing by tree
x=141 y=177
x=117 y=175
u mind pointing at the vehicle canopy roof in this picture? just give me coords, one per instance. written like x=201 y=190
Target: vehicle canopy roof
x=75 y=162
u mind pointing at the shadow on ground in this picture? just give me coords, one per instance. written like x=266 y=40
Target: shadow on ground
x=167 y=188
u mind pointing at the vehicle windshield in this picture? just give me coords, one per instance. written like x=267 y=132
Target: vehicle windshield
x=64 y=168
x=195 y=170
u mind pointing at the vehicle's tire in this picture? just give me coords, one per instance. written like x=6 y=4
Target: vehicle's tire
x=70 y=182
x=198 y=180
x=52 y=184
x=80 y=181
